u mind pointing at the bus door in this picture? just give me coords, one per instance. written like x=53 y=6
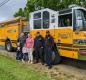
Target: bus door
x=79 y=24
x=79 y=31
x=65 y=32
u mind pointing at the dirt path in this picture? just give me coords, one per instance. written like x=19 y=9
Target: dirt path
x=68 y=70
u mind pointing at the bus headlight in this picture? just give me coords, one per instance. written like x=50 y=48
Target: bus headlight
x=79 y=41
x=82 y=52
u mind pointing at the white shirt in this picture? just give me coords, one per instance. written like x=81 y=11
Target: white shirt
x=24 y=50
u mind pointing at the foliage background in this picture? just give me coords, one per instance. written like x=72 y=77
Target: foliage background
x=52 y=4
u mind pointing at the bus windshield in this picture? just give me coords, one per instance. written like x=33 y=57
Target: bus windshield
x=80 y=19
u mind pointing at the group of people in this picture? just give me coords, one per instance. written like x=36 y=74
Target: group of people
x=35 y=50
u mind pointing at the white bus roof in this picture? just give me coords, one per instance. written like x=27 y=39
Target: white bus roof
x=69 y=10
x=46 y=9
x=78 y=7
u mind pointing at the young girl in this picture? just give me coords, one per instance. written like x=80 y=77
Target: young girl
x=18 y=52
x=25 y=54
x=30 y=45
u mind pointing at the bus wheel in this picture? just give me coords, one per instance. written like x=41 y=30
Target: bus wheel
x=56 y=58
x=8 y=46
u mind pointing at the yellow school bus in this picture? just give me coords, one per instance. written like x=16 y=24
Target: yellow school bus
x=67 y=27
x=9 y=32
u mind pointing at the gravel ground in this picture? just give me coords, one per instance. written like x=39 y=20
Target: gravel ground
x=69 y=69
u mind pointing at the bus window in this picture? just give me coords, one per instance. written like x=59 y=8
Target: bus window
x=46 y=19
x=80 y=21
x=65 y=20
x=37 y=24
x=37 y=15
x=37 y=20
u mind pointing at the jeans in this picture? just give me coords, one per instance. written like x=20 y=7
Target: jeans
x=48 y=53
x=41 y=54
x=30 y=54
x=25 y=56
x=18 y=55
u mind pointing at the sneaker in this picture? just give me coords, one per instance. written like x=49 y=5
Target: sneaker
x=46 y=64
x=28 y=61
x=42 y=63
x=49 y=67
x=23 y=61
x=31 y=62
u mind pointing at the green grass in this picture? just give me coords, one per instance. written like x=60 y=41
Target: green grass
x=12 y=70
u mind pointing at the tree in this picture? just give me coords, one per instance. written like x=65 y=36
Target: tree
x=19 y=13
x=52 y=4
x=26 y=13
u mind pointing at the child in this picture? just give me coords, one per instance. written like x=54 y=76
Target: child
x=18 y=52
x=25 y=53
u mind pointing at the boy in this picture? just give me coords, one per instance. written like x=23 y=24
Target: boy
x=18 y=52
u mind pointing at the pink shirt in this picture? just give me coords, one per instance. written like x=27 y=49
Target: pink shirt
x=29 y=42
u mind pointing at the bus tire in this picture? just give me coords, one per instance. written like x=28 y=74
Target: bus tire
x=8 y=46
